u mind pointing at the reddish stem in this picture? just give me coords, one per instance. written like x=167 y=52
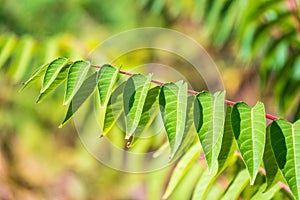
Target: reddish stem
x=227 y=102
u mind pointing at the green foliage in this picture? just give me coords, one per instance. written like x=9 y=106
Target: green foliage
x=173 y=102
x=136 y=89
x=265 y=32
x=148 y=114
x=228 y=146
x=204 y=184
x=114 y=108
x=242 y=125
x=85 y=90
x=249 y=129
x=182 y=167
x=59 y=79
x=209 y=121
x=237 y=186
x=52 y=72
x=76 y=74
x=285 y=140
x=107 y=78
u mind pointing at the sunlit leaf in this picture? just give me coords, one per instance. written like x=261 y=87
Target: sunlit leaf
x=7 y=49
x=52 y=71
x=150 y=110
x=21 y=58
x=135 y=93
x=114 y=108
x=271 y=167
x=182 y=167
x=228 y=146
x=61 y=77
x=173 y=102
x=107 y=78
x=189 y=129
x=237 y=186
x=249 y=127
x=261 y=194
x=204 y=184
x=285 y=141
x=35 y=76
x=209 y=117
x=86 y=89
x=76 y=76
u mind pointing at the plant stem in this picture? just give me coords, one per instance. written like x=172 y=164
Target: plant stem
x=227 y=102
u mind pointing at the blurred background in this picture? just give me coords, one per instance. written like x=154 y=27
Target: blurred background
x=254 y=44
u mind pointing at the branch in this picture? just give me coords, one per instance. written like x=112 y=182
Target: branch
x=227 y=102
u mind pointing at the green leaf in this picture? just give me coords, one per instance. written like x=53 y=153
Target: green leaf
x=260 y=194
x=209 y=119
x=7 y=49
x=271 y=167
x=173 y=102
x=249 y=127
x=228 y=146
x=76 y=76
x=285 y=141
x=150 y=110
x=237 y=186
x=189 y=129
x=49 y=50
x=62 y=75
x=21 y=58
x=135 y=93
x=52 y=71
x=107 y=78
x=182 y=167
x=204 y=184
x=35 y=76
x=86 y=89
x=114 y=108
